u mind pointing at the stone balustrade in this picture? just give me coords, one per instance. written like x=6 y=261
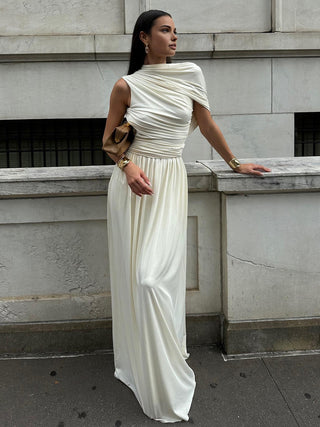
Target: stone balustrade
x=253 y=258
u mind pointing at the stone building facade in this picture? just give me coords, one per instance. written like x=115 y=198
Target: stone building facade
x=261 y=61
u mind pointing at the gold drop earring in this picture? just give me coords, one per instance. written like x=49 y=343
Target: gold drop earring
x=146 y=49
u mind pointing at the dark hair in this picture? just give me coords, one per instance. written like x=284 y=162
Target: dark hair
x=144 y=23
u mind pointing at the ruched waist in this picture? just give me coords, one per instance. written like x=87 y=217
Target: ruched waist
x=156 y=148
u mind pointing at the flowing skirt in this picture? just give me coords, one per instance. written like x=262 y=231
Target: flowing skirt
x=147 y=250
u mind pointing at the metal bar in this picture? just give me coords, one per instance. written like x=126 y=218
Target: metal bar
x=31 y=144
x=80 y=150
x=68 y=144
x=44 y=151
x=7 y=147
x=55 y=147
x=92 y=140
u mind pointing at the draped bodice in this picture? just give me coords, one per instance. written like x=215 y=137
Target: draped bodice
x=161 y=108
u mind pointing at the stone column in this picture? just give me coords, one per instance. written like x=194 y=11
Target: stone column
x=276 y=15
x=270 y=256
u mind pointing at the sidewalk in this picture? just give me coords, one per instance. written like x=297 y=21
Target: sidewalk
x=82 y=391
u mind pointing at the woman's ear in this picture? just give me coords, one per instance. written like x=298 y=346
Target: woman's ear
x=143 y=37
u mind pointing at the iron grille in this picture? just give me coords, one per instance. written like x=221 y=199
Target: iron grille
x=52 y=142
x=307 y=134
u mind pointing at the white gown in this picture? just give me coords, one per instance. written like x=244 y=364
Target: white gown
x=147 y=243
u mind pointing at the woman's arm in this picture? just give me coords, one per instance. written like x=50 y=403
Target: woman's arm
x=119 y=102
x=213 y=134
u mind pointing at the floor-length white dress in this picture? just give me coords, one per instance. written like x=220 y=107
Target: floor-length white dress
x=147 y=243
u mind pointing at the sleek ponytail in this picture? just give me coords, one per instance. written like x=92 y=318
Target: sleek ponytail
x=144 y=23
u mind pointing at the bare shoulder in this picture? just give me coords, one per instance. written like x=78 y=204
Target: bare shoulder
x=121 y=92
x=121 y=87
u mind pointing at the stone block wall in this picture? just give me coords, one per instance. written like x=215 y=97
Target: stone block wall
x=260 y=59
x=38 y=17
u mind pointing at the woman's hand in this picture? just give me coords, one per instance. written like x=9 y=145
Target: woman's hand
x=252 y=169
x=137 y=180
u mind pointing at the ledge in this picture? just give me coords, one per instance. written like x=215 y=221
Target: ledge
x=91 y=47
x=79 y=180
x=266 y=45
x=191 y=46
x=47 y=48
x=108 y=47
x=52 y=182
x=287 y=174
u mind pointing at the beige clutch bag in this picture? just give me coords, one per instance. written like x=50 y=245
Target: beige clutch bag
x=120 y=139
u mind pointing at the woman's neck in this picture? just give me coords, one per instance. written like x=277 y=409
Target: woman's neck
x=150 y=60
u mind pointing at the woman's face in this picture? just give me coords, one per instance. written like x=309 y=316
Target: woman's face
x=162 y=38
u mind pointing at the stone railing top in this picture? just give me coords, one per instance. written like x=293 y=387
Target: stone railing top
x=54 y=181
x=79 y=180
x=287 y=174
x=55 y=173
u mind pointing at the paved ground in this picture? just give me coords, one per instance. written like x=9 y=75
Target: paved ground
x=82 y=391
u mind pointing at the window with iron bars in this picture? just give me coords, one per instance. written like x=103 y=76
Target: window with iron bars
x=307 y=134
x=52 y=142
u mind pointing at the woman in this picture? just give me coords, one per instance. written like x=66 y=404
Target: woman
x=147 y=217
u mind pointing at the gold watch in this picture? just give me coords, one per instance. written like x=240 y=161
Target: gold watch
x=234 y=163
x=122 y=163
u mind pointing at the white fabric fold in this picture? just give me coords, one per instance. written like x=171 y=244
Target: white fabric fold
x=161 y=107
